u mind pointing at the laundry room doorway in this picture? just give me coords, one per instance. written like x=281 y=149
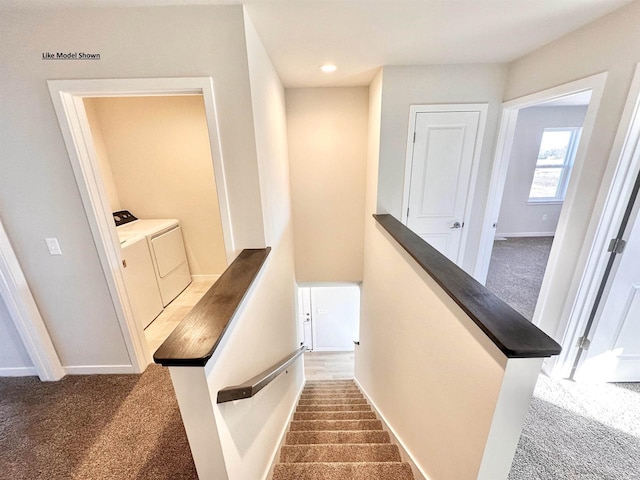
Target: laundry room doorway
x=148 y=165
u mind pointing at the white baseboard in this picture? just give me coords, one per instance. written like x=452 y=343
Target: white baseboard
x=99 y=369
x=18 y=372
x=206 y=277
x=405 y=453
x=332 y=349
x=525 y=234
x=274 y=456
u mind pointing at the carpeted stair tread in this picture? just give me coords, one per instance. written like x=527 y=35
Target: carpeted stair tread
x=354 y=407
x=330 y=382
x=336 y=435
x=351 y=396
x=345 y=436
x=315 y=425
x=332 y=393
x=340 y=453
x=342 y=471
x=334 y=415
x=332 y=401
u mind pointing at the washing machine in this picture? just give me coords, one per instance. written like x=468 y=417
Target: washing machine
x=166 y=247
x=140 y=278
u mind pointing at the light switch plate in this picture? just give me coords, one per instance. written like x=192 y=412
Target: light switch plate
x=53 y=246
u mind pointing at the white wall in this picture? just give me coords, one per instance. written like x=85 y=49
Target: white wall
x=439 y=382
x=431 y=372
x=157 y=157
x=14 y=359
x=327 y=131
x=101 y=152
x=335 y=314
x=517 y=218
x=405 y=322
x=38 y=192
x=265 y=331
x=436 y=84
x=606 y=45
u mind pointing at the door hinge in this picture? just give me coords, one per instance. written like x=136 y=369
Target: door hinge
x=414 y=137
x=616 y=245
x=583 y=343
x=407 y=212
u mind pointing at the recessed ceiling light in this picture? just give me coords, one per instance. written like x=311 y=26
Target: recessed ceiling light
x=328 y=68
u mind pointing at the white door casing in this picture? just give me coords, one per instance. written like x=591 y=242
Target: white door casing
x=17 y=296
x=304 y=316
x=619 y=178
x=442 y=160
x=614 y=352
x=67 y=97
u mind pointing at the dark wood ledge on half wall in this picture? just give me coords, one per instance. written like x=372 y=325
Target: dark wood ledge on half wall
x=513 y=334
x=195 y=339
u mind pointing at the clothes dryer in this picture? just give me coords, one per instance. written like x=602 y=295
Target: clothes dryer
x=166 y=245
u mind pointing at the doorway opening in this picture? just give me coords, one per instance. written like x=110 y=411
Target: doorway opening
x=148 y=165
x=546 y=139
x=329 y=322
x=606 y=334
x=155 y=162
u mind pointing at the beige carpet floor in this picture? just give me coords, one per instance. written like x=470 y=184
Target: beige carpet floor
x=93 y=427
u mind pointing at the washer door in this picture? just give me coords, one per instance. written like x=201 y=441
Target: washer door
x=168 y=251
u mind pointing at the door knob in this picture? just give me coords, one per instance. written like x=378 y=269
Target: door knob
x=456 y=225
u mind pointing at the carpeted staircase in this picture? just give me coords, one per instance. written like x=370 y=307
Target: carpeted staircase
x=334 y=435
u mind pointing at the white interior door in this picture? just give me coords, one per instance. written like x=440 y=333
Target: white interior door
x=304 y=316
x=444 y=146
x=614 y=352
x=336 y=317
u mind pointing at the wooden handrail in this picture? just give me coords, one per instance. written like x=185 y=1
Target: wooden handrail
x=252 y=386
x=195 y=339
x=513 y=334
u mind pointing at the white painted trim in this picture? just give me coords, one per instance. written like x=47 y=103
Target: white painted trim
x=99 y=369
x=623 y=168
x=18 y=372
x=332 y=349
x=24 y=312
x=504 y=145
x=525 y=234
x=417 y=469
x=482 y=109
x=197 y=410
x=269 y=473
x=67 y=97
x=518 y=384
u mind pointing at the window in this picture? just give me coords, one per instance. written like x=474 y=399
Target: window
x=553 y=167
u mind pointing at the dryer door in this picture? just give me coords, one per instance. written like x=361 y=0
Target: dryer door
x=168 y=250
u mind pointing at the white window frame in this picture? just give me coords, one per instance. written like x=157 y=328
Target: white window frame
x=567 y=166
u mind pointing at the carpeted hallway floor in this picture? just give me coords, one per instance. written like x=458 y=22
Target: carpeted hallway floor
x=516 y=270
x=93 y=427
x=577 y=431
x=572 y=431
